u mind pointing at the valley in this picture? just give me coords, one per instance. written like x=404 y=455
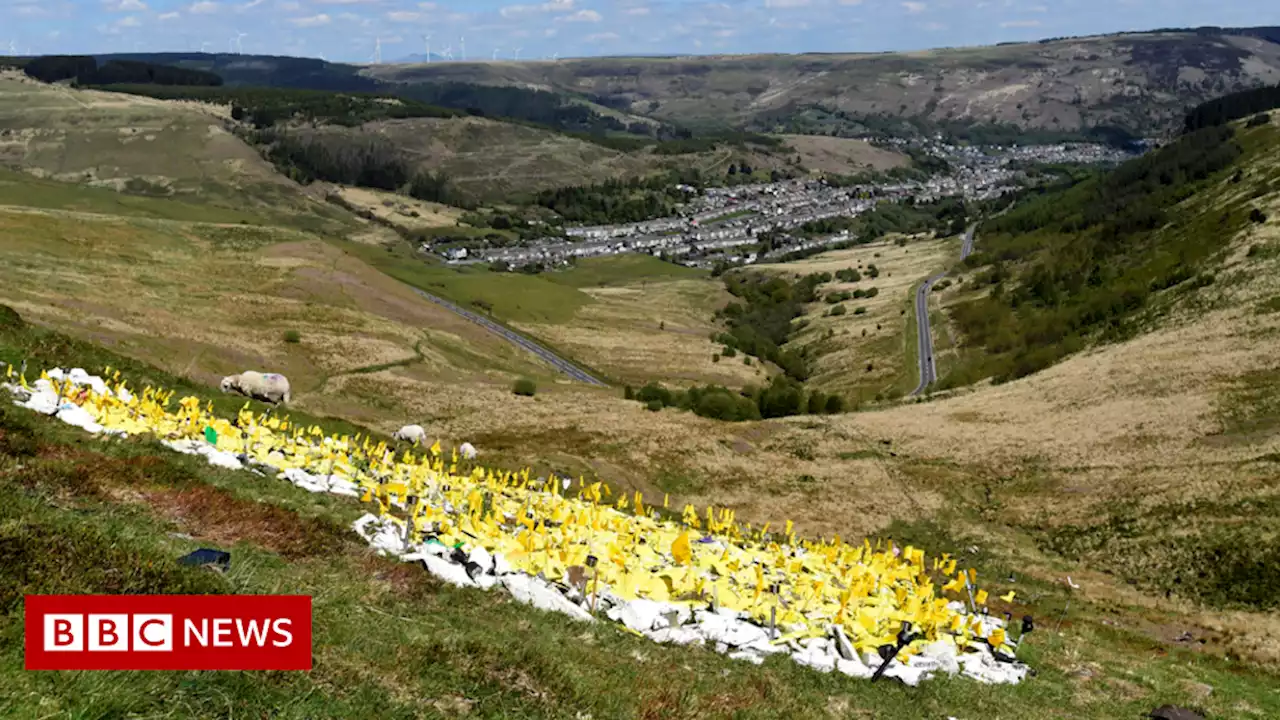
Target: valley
x=1104 y=408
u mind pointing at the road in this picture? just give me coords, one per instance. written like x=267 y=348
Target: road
x=924 y=335
x=515 y=338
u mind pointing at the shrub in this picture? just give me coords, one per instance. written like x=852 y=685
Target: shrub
x=860 y=311
x=835 y=404
x=628 y=393
x=817 y=402
x=715 y=358
x=10 y=319
x=839 y=310
x=1259 y=120
x=1256 y=215
x=729 y=352
x=293 y=337
x=525 y=387
x=654 y=405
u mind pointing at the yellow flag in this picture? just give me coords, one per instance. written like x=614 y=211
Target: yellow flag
x=680 y=549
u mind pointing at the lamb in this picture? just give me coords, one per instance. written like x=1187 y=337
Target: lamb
x=411 y=433
x=267 y=387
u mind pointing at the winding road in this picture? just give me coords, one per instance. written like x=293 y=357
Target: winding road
x=517 y=339
x=924 y=335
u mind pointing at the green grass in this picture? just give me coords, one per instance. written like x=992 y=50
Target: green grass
x=510 y=297
x=25 y=190
x=626 y=269
x=88 y=516
x=506 y=298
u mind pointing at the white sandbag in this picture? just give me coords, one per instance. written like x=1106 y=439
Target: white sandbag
x=532 y=591
x=447 y=571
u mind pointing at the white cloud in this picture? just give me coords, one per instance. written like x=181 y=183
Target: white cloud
x=205 y=7
x=602 y=37
x=1037 y=9
x=312 y=21
x=914 y=8
x=584 y=16
x=636 y=11
x=934 y=26
x=1020 y=24
x=427 y=5
x=250 y=5
x=850 y=2
x=346 y=2
x=169 y=16
x=788 y=24
x=403 y=15
x=552 y=6
x=786 y=3
x=126 y=6
x=725 y=33
x=290 y=6
x=129 y=22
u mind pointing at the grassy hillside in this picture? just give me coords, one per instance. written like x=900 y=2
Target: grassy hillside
x=1102 y=260
x=1145 y=468
x=85 y=517
x=146 y=148
x=1140 y=80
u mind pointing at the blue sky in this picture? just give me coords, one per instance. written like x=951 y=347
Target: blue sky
x=348 y=30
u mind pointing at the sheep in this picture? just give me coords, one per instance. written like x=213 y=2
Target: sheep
x=411 y=433
x=467 y=450
x=267 y=387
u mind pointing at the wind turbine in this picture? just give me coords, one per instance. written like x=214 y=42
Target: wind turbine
x=495 y=54
x=555 y=57
x=518 y=54
x=447 y=53
x=462 y=47
x=204 y=45
x=377 y=52
x=427 y=40
x=13 y=47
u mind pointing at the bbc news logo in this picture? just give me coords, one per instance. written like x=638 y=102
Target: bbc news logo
x=168 y=632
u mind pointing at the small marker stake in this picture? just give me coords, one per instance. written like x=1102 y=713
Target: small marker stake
x=595 y=581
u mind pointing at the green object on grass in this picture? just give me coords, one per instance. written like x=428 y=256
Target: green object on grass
x=211 y=435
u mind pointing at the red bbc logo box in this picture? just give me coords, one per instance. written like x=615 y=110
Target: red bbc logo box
x=168 y=632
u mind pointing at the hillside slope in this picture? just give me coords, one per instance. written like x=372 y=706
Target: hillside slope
x=1139 y=80
x=145 y=147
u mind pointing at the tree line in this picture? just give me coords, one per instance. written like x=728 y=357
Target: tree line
x=782 y=397
x=1233 y=106
x=759 y=320
x=84 y=70
x=364 y=160
x=620 y=201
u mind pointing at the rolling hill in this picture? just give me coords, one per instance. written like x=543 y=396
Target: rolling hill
x=1140 y=81
x=1140 y=461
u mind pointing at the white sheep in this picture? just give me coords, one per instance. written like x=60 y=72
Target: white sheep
x=411 y=433
x=467 y=450
x=267 y=387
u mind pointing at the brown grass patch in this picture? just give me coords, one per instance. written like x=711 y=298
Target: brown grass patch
x=655 y=330
x=400 y=210
x=219 y=517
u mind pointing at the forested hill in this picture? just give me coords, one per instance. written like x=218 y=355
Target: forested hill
x=1098 y=260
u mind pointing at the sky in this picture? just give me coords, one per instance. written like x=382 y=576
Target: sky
x=350 y=30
